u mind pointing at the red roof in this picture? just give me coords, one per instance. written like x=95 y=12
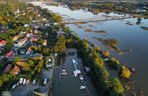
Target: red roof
x=3 y=42
x=10 y=53
x=16 y=70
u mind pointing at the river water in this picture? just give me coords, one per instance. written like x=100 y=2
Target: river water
x=128 y=37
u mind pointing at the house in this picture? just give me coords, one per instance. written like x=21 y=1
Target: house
x=2 y=42
x=36 y=32
x=87 y=69
x=10 y=53
x=27 y=25
x=43 y=27
x=45 y=43
x=21 y=42
x=46 y=33
x=2 y=49
x=16 y=70
x=16 y=37
x=22 y=51
x=29 y=35
x=33 y=39
x=7 y=68
x=29 y=51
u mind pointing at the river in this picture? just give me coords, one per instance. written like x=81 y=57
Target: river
x=129 y=36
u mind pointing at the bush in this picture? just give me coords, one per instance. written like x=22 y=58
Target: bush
x=125 y=72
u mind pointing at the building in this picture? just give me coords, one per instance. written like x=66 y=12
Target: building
x=7 y=68
x=16 y=70
x=45 y=43
x=21 y=42
x=29 y=51
x=2 y=49
x=22 y=51
x=10 y=53
x=16 y=37
x=2 y=42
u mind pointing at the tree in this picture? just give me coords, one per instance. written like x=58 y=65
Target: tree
x=97 y=49
x=31 y=63
x=116 y=87
x=12 y=32
x=60 y=44
x=106 y=53
x=138 y=21
x=113 y=62
x=1 y=19
x=56 y=18
x=125 y=72
x=17 y=59
x=45 y=51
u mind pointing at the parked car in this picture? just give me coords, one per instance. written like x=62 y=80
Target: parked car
x=21 y=80
x=73 y=61
x=45 y=81
x=81 y=78
x=63 y=70
x=13 y=86
x=82 y=87
x=48 y=65
x=27 y=81
x=64 y=73
x=24 y=81
x=34 y=81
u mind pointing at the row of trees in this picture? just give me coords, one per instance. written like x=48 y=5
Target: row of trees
x=100 y=76
x=120 y=7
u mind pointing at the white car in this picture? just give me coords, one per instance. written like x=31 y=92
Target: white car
x=24 y=82
x=27 y=81
x=21 y=80
x=13 y=86
x=45 y=81
x=64 y=73
x=82 y=87
x=73 y=61
x=63 y=70
x=34 y=81
x=17 y=84
x=81 y=78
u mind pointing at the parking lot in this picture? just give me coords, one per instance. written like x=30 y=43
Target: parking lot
x=65 y=83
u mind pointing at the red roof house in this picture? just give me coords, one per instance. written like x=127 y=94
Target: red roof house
x=2 y=42
x=9 y=54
